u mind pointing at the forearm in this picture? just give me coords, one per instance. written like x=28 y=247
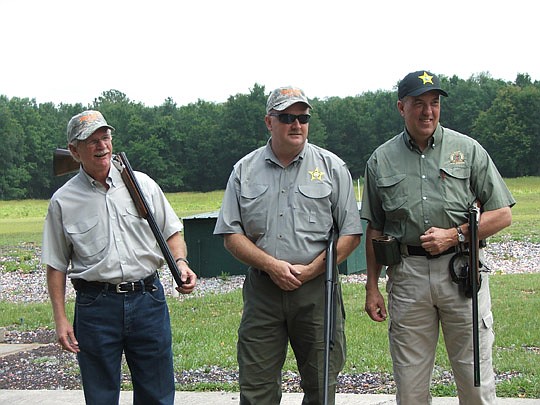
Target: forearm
x=247 y=252
x=490 y=223
x=373 y=268
x=177 y=246
x=345 y=246
x=56 y=284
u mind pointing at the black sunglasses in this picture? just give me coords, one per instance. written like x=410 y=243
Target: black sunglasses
x=290 y=118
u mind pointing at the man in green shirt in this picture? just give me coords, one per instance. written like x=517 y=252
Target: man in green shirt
x=419 y=186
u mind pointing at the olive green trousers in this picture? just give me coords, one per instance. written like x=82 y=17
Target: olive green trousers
x=272 y=318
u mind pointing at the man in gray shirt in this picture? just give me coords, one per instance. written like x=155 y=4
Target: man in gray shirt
x=278 y=209
x=94 y=235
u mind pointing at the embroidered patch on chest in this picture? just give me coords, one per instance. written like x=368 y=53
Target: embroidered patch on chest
x=457 y=157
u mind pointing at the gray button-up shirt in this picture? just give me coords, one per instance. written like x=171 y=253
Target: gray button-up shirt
x=288 y=211
x=98 y=235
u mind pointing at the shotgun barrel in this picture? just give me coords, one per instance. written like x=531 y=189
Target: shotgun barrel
x=331 y=278
x=121 y=162
x=474 y=275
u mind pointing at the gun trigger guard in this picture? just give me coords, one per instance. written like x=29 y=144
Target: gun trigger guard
x=118 y=163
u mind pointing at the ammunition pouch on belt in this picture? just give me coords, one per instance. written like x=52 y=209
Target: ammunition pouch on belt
x=387 y=250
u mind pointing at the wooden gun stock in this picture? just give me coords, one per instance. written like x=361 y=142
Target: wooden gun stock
x=122 y=164
x=63 y=162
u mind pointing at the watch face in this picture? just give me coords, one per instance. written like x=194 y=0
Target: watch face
x=460 y=236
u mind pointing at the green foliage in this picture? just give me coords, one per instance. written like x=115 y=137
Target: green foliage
x=193 y=147
x=510 y=130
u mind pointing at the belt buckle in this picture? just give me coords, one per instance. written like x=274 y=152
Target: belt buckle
x=119 y=286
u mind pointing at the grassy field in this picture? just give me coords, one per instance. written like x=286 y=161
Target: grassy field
x=205 y=328
x=22 y=221
x=204 y=334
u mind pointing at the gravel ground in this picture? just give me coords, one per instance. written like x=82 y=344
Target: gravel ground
x=49 y=367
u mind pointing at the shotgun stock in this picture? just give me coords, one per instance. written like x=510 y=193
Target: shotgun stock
x=121 y=162
x=63 y=162
x=331 y=277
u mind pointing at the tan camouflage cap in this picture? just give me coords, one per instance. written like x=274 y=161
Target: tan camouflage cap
x=283 y=97
x=82 y=125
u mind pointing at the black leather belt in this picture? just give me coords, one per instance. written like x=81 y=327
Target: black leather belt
x=124 y=287
x=420 y=251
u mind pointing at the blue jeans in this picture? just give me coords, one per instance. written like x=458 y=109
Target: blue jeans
x=137 y=324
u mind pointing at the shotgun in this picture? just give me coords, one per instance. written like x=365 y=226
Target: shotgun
x=63 y=163
x=474 y=282
x=331 y=278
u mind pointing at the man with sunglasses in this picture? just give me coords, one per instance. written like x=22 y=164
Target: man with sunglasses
x=279 y=207
x=94 y=235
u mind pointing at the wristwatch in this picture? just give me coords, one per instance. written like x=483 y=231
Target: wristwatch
x=460 y=236
x=182 y=259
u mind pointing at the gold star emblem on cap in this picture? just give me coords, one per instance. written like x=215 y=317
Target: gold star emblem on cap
x=426 y=78
x=316 y=174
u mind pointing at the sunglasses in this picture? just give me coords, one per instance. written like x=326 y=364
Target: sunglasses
x=290 y=118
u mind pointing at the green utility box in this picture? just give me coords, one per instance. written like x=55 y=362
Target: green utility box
x=209 y=258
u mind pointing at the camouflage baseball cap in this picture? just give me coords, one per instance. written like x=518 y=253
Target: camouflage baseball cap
x=82 y=125
x=283 y=97
x=419 y=82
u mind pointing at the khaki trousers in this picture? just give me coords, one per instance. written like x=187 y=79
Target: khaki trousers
x=422 y=296
x=273 y=317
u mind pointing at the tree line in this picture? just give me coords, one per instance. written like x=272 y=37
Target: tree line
x=193 y=147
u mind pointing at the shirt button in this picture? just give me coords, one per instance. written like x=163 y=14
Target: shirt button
x=424 y=198
x=423 y=176
x=423 y=156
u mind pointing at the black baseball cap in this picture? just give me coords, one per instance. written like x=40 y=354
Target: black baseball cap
x=419 y=82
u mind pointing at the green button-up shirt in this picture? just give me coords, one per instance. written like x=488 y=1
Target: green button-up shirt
x=288 y=211
x=407 y=191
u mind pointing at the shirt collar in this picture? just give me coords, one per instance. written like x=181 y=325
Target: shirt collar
x=270 y=156
x=433 y=142
x=112 y=178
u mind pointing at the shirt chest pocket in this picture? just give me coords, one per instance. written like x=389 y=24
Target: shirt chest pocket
x=393 y=191
x=456 y=187
x=87 y=237
x=313 y=208
x=254 y=206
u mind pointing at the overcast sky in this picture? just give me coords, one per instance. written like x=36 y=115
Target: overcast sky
x=69 y=51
